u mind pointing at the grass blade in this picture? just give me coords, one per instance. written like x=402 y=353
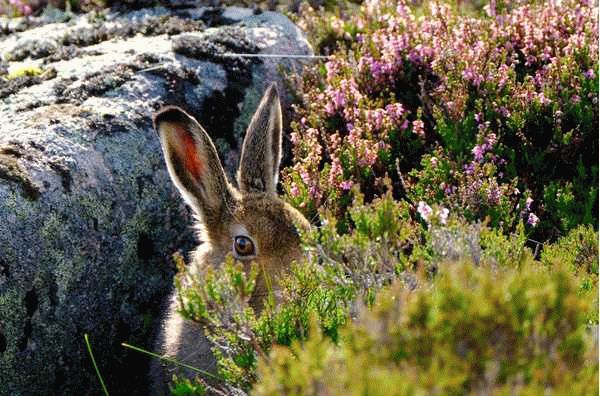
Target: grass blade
x=167 y=359
x=89 y=348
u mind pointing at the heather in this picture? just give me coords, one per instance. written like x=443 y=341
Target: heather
x=458 y=308
x=466 y=334
x=447 y=156
x=492 y=116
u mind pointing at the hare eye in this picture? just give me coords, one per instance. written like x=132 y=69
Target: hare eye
x=243 y=246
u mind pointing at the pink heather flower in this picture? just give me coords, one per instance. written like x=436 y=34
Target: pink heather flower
x=418 y=128
x=305 y=176
x=369 y=155
x=294 y=190
x=470 y=168
x=335 y=171
x=491 y=139
x=314 y=192
x=528 y=203
x=479 y=151
x=375 y=117
x=312 y=133
x=543 y=99
x=449 y=189
x=395 y=111
x=504 y=111
x=294 y=138
x=575 y=99
x=335 y=140
x=468 y=74
x=483 y=125
x=346 y=185
x=533 y=220
x=332 y=68
x=494 y=195
x=354 y=136
x=424 y=210
x=589 y=74
x=338 y=99
x=329 y=108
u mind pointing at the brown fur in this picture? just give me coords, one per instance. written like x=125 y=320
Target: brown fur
x=255 y=211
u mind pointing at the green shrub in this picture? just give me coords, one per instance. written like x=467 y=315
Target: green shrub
x=450 y=266
x=577 y=250
x=473 y=330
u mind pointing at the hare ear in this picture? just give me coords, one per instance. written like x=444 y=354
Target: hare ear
x=192 y=162
x=261 y=152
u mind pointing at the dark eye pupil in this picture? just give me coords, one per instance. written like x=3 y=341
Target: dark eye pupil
x=243 y=246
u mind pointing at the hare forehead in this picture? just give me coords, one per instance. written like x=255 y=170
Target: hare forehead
x=269 y=221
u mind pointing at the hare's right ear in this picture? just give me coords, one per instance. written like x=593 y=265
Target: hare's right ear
x=261 y=152
x=192 y=162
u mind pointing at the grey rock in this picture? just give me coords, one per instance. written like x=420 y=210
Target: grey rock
x=236 y=14
x=88 y=215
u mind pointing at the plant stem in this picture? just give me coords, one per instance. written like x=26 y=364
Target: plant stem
x=156 y=355
x=89 y=348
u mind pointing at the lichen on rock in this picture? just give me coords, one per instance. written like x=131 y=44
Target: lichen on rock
x=88 y=215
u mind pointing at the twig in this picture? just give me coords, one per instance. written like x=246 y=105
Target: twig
x=290 y=56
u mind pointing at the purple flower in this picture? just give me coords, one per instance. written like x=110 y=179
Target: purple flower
x=314 y=192
x=528 y=203
x=346 y=185
x=419 y=128
x=479 y=151
x=533 y=220
x=589 y=74
x=396 y=111
x=494 y=195
x=294 y=190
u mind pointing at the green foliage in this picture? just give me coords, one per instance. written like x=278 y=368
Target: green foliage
x=533 y=312
x=186 y=387
x=577 y=250
x=472 y=330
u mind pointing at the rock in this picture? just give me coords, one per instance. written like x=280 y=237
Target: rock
x=88 y=215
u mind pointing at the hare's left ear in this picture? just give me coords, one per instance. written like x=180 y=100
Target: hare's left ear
x=261 y=152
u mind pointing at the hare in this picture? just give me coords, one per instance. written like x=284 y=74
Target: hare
x=251 y=222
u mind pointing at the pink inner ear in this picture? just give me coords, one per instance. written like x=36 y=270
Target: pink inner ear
x=189 y=152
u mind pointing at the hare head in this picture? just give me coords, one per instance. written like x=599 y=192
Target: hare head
x=252 y=222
